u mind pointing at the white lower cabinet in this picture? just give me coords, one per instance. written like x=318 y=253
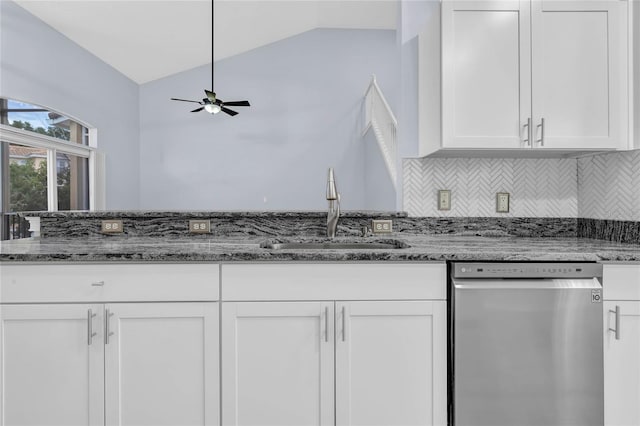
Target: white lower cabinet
x=390 y=363
x=278 y=363
x=147 y=360
x=161 y=364
x=158 y=367
x=316 y=355
x=51 y=373
x=621 y=345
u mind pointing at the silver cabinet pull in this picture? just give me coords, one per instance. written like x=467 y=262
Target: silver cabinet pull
x=90 y=333
x=527 y=141
x=617 y=329
x=541 y=126
x=107 y=332
x=326 y=324
x=97 y=284
x=344 y=321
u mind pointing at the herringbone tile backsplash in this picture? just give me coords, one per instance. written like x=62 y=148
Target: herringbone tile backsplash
x=605 y=186
x=538 y=187
x=609 y=186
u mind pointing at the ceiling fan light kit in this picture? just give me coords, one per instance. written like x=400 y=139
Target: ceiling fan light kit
x=211 y=103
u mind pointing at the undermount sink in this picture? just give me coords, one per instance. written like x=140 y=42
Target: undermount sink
x=335 y=245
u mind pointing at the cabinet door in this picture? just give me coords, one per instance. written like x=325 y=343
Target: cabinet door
x=52 y=372
x=277 y=363
x=579 y=73
x=622 y=364
x=391 y=364
x=161 y=364
x=486 y=74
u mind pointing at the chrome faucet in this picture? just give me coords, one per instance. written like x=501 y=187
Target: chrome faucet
x=334 y=205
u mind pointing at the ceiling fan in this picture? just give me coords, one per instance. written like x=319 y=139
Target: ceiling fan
x=212 y=104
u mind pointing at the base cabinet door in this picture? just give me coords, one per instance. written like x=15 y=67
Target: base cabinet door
x=51 y=365
x=277 y=363
x=391 y=363
x=161 y=364
x=622 y=363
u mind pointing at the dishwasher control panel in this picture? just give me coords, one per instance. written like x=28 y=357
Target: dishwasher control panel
x=526 y=270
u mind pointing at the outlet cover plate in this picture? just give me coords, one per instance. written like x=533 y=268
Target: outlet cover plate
x=502 y=202
x=444 y=199
x=381 y=226
x=199 y=226
x=111 y=226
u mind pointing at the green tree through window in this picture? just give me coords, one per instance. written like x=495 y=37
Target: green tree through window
x=28 y=185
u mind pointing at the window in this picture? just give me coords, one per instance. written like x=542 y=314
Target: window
x=47 y=162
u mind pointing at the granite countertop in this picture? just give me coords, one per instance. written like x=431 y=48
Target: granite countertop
x=422 y=248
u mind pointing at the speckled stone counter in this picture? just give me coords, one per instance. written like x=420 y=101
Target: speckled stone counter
x=422 y=248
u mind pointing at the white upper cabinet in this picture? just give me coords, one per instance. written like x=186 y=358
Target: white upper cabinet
x=579 y=74
x=531 y=74
x=486 y=80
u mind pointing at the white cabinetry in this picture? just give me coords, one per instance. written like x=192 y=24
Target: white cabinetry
x=390 y=363
x=277 y=362
x=520 y=74
x=51 y=374
x=123 y=363
x=389 y=350
x=621 y=345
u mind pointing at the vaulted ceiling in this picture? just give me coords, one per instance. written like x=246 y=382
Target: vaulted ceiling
x=150 y=39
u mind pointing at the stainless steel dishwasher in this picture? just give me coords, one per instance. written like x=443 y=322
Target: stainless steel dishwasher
x=526 y=344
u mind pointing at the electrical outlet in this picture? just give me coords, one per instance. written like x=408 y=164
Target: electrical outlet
x=444 y=199
x=200 y=226
x=381 y=226
x=502 y=202
x=112 y=226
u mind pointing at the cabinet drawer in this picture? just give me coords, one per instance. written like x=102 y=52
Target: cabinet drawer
x=39 y=283
x=372 y=281
x=621 y=282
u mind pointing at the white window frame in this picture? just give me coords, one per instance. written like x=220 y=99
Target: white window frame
x=16 y=136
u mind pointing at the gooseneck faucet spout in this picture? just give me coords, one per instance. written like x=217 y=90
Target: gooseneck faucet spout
x=334 y=205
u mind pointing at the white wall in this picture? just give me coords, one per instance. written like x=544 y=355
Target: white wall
x=41 y=66
x=306 y=94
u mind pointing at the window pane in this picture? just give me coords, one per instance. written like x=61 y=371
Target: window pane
x=73 y=188
x=27 y=179
x=37 y=119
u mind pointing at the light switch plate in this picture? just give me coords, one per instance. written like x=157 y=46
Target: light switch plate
x=200 y=226
x=382 y=226
x=502 y=202
x=112 y=226
x=444 y=199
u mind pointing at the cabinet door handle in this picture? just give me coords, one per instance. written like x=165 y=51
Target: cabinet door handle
x=90 y=333
x=98 y=284
x=541 y=126
x=326 y=324
x=344 y=324
x=617 y=329
x=107 y=332
x=527 y=141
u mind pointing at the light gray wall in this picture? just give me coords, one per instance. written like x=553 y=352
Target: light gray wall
x=306 y=94
x=41 y=66
x=379 y=190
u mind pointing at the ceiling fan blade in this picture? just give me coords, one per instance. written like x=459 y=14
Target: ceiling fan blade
x=237 y=103
x=184 y=100
x=228 y=111
x=198 y=109
x=211 y=95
